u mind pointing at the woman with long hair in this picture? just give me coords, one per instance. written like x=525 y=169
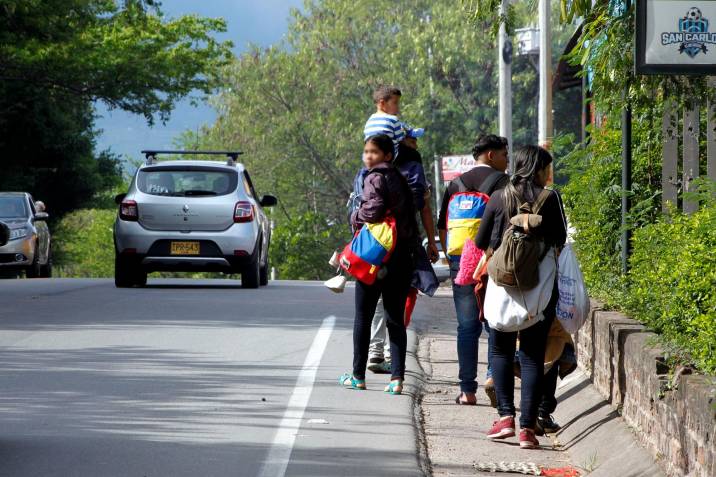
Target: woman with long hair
x=533 y=167
x=385 y=191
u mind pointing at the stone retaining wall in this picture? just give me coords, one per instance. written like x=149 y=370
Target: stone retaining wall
x=673 y=415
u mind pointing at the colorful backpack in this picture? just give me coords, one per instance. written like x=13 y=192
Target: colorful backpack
x=464 y=212
x=369 y=250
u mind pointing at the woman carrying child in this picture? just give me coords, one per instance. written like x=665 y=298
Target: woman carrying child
x=532 y=171
x=385 y=192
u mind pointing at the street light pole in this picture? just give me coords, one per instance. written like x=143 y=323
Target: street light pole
x=505 y=78
x=546 y=132
x=626 y=175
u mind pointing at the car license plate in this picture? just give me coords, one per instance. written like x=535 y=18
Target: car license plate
x=184 y=248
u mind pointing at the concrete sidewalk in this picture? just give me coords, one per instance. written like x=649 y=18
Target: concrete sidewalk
x=593 y=438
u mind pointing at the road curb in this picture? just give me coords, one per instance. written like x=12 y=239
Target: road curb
x=417 y=383
x=593 y=436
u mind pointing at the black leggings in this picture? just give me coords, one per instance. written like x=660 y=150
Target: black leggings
x=533 y=341
x=394 y=288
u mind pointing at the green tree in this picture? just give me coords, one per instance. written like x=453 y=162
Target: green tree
x=82 y=244
x=298 y=109
x=58 y=56
x=121 y=52
x=670 y=284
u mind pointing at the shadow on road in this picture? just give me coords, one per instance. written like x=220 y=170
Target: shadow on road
x=207 y=286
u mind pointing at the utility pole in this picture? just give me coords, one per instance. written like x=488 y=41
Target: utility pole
x=504 y=54
x=546 y=133
x=626 y=174
x=438 y=197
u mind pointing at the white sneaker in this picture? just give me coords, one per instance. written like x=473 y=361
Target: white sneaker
x=334 y=260
x=336 y=284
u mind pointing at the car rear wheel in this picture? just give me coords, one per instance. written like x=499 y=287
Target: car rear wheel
x=122 y=275
x=46 y=269
x=34 y=270
x=127 y=274
x=264 y=274
x=140 y=278
x=251 y=274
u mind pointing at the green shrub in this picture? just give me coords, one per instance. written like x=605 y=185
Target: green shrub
x=301 y=246
x=593 y=200
x=673 y=282
x=671 y=286
x=83 y=244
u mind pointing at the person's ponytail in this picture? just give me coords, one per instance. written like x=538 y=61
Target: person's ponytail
x=529 y=160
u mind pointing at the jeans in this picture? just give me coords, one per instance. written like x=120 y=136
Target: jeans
x=469 y=328
x=379 y=344
x=533 y=341
x=549 y=389
x=394 y=289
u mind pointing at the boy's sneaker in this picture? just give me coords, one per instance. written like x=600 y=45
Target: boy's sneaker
x=379 y=365
x=502 y=428
x=528 y=439
x=336 y=284
x=546 y=425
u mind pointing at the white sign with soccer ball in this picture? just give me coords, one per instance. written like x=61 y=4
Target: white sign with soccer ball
x=680 y=32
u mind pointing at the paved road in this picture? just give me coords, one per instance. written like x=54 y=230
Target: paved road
x=189 y=378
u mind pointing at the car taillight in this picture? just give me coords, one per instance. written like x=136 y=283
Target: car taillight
x=243 y=212
x=128 y=210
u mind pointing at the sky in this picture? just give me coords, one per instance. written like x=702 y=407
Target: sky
x=261 y=22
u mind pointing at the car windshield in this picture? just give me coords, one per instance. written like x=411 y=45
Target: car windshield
x=12 y=208
x=186 y=182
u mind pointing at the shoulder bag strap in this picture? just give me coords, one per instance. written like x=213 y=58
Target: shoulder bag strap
x=489 y=183
x=537 y=208
x=461 y=187
x=541 y=199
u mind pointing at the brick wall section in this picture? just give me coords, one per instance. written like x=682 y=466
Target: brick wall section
x=673 y=417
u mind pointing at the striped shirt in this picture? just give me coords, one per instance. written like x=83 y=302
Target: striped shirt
x=382 y=123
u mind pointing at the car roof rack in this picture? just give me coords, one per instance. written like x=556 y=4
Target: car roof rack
x=151 y=155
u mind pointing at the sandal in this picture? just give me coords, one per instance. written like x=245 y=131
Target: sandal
x=466 y=399
x=350 y=382
x=395 y=387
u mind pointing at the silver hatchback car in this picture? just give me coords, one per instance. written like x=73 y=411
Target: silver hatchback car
x=28 y=248
x=191 y=215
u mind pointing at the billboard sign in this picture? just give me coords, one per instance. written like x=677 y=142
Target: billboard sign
x=675 y=37
x=453 y=166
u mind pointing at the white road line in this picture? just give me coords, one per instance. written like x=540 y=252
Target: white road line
x=282 y=446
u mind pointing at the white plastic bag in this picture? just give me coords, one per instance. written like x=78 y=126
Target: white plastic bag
x=573 y=303
x=509 y=309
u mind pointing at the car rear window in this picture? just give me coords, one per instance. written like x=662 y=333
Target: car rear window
x=12 y=207
x=183 y=182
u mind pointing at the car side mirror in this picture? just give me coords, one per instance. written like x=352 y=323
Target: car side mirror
x=119 y=198
x=4 y=234
x=42 y=216
x=268 y=201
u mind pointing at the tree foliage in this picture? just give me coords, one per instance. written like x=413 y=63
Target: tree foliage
x=82 y=244
x=298 y=109
x=124 y=53
x=58 y=56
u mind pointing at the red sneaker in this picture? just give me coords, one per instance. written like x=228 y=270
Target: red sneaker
x=528 y=439
x=502 y=428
